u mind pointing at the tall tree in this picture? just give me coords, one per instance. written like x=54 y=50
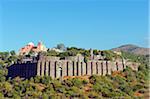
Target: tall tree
x=61 y=46
x=12 y=53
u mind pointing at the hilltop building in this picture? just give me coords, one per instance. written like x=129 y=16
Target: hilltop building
x=117 y=52
x=31 y=47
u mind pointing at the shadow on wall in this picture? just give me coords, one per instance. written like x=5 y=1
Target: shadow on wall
x=62 y=68
x=23 y=70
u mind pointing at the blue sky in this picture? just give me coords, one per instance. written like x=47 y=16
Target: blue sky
x=100 y=24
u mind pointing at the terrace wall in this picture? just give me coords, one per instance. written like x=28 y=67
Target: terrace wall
x=61 y=68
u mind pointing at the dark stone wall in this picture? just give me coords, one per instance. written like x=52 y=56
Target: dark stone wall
x=24 y=70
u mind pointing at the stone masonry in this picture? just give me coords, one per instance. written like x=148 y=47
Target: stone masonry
x=61 y=68
x=70 y=66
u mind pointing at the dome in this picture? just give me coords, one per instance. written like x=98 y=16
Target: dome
x=32 y=44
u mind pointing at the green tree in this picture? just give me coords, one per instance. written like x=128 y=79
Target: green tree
x=12 y=52
x=61 y=46
x=52 y=53
x=96 y=52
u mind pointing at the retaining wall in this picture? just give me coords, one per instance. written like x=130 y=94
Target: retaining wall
x=62 y=68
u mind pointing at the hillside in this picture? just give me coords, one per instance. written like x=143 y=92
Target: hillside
x=133 y=49
x=128 y=83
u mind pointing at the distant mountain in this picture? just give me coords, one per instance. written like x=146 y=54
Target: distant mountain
x=133 y=49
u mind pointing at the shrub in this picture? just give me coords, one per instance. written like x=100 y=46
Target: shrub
x=93 y=95
x=77 y=82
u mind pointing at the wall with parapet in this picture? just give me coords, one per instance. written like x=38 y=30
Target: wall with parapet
x=62 y=68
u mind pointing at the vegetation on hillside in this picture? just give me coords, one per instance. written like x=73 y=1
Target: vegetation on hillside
x=134 y=49
x=124 y=84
